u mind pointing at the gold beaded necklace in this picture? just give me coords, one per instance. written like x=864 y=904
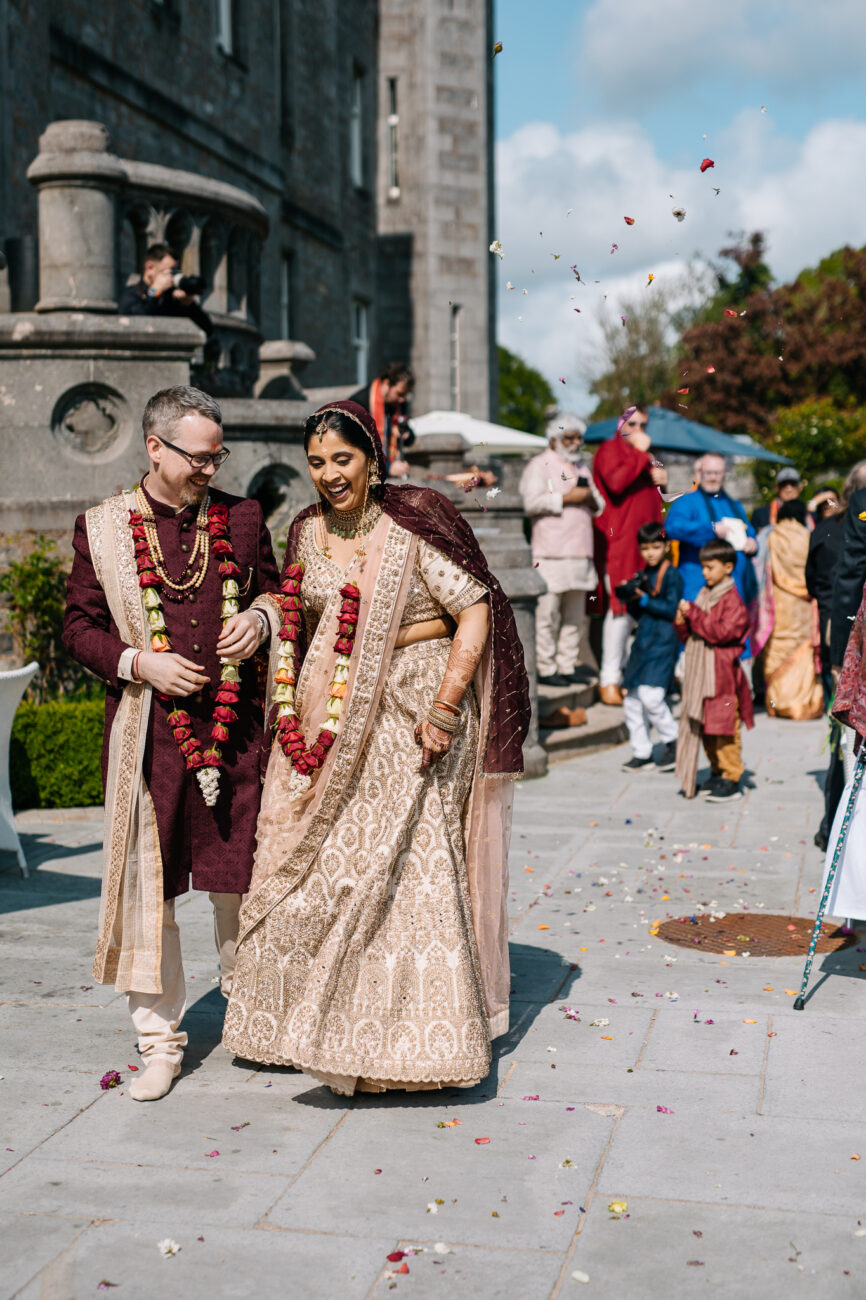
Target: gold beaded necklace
x=200 y=552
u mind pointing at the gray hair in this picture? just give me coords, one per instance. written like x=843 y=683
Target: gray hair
x=564 y=422
x=716 y=455
x=170 y=405
x=856 y=479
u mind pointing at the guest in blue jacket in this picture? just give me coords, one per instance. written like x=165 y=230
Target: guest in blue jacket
x=652 y=597
x=697 y=517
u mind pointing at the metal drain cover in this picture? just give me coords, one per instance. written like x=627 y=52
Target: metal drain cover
x=752 y=933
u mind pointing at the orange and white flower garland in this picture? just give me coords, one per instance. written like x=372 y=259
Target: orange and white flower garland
x=305 y=761
x=206 y=764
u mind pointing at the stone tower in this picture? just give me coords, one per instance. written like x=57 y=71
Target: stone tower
x=435 y=199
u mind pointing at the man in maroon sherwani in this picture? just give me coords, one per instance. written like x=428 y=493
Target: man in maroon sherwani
x=208 y=846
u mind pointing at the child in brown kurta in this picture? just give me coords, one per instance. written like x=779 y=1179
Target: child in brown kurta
x=716 y=695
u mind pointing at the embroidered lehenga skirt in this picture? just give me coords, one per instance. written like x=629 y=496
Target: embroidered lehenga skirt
x=366 y=973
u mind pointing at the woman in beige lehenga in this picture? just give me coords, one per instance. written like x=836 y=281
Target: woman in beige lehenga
x=373 y=943
x=787 y=633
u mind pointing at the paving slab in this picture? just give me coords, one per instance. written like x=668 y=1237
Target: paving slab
x=227 y=1262
x=680 y=1250
x=29 y=1242
x=506 y=1191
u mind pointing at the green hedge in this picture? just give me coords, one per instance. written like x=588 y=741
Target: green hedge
x=54 y=756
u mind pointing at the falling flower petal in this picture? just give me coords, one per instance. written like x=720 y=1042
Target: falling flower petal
x=509 y=285
x=629 y=221
x=167 y=1247
x=707 y=164
x=729 y=311
x=481 y=1142
x=650 y=278
x=496 y=248
x=664 y=1110
x=623 y=319
x=679 y=213
x=497 y=49
x=614 y=247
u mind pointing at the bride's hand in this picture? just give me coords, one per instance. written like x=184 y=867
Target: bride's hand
x=434 y=742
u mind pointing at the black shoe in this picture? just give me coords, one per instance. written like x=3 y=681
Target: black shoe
x=668 y=760
x=821 y=841
x=555 y=679
x=710 y=784
x=583 y=676
x=723 y=791
x=637 y=765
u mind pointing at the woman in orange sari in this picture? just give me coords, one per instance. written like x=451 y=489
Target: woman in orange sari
x=787 y=634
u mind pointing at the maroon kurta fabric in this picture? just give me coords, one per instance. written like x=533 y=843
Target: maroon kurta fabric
x=433 y=517
x=212 y=845
x=622 y=475
x=724 y=627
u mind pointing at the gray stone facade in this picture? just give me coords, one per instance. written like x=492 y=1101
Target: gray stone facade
x=286 y=102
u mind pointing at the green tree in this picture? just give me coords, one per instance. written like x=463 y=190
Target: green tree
x=524 y=394
x=818 y=436
x=35 y=591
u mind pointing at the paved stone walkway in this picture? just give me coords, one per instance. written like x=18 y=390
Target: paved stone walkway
x=270 y=1185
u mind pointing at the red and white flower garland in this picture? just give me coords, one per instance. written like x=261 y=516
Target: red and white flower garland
x=205 y=763
x=306 y=760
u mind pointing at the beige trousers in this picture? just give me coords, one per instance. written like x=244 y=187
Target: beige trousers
x=157 y=1016
x=560 y=625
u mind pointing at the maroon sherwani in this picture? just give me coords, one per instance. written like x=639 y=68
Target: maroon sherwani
x=213 y=845
x=725 y=628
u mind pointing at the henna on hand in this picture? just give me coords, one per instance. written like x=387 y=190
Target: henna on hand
x=473 y=629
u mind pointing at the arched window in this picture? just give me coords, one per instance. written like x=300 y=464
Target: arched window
x=278 y=489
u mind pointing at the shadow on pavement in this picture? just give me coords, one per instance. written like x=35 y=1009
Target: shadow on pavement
x=849 y=963
x=539 y=976
x=44 y=888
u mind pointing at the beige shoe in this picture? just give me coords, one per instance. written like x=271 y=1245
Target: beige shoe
x=155 y=1082
x=610 y=695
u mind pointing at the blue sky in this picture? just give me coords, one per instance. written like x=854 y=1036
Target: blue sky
x=604 y=108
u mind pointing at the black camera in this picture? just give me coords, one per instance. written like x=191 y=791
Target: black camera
x=191 y=284
x=630 y=590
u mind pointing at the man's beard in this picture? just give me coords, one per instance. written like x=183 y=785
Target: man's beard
x=191 y=494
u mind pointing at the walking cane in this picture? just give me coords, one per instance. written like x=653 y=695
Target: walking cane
x=799 y=1004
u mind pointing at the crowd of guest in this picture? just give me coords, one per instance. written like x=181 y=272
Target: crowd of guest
x=783 y=587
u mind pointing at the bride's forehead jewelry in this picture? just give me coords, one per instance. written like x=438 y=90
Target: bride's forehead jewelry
x=321 y=429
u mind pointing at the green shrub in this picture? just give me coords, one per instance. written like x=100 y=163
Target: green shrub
x=54 y=756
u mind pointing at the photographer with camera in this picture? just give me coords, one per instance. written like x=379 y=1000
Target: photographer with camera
x=652 y=597
x=387 y=399
x=164 y=290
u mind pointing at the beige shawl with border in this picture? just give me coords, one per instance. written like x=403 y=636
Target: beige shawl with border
x=129 y=946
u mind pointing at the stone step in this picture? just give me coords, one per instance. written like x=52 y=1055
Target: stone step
x=605 y=727
x=572 y=697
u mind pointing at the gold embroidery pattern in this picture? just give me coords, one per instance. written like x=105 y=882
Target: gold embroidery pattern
x=369 y=966
x=112 y=515
x=369 y=666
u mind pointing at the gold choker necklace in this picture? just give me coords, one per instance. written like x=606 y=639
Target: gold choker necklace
x=354 y=523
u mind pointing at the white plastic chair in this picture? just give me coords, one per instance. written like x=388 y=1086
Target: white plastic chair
x=13 y=684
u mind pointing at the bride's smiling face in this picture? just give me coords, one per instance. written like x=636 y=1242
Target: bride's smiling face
x=338 y=470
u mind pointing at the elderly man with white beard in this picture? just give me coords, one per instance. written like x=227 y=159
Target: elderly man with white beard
x=560 y=498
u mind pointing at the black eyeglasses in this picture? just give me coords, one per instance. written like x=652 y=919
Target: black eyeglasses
x=200 y=461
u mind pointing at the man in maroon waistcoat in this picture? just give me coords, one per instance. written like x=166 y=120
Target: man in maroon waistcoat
x=158 y=607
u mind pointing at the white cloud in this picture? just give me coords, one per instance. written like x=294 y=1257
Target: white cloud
x=633 y=53
x=807 y=197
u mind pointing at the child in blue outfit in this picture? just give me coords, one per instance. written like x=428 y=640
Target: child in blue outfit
x=652 y=595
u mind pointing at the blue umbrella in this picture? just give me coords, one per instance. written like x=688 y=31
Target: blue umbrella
x=672 y=432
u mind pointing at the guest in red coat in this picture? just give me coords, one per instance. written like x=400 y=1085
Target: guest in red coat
x=716 y=695
x=157 y=607
x=629 y=480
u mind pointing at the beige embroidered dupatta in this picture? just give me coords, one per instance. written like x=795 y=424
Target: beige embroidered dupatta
x=129 y=946
x=291 y=832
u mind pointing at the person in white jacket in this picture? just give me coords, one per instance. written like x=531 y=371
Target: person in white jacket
x=560 y=498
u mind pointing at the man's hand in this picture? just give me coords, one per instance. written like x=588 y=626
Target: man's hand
x=185 y=298
x=750 y=546
x=241 y=636
x=577 y=496
x=163 y=280
x=398 y=468
x=639 y=440
x=659 y=475
x=170 y=674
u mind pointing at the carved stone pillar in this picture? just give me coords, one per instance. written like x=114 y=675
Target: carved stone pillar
x=78 y=180
x=498 y=524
